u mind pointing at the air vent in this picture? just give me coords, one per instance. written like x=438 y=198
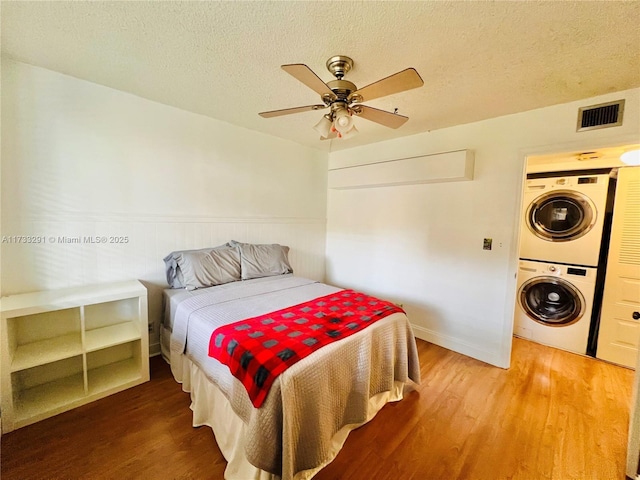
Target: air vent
x=603 y=115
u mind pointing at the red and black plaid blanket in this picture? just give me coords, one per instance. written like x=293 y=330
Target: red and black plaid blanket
x=258 y=349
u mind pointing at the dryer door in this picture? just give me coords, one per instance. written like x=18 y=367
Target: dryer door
x=561 y=215
x=551 y=301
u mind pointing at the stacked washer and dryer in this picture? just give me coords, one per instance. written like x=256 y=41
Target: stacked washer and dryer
x=561 y=238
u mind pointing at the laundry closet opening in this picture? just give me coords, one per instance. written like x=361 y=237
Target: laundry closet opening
x=578 y=279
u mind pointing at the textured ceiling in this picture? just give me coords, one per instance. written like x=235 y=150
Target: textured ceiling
x=222 y=59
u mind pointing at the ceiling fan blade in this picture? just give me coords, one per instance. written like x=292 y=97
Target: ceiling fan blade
x=398 y=82
x=310 y=79
x=388 y=119
x=289 y=111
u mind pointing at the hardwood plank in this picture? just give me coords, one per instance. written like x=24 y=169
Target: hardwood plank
x=552 y=415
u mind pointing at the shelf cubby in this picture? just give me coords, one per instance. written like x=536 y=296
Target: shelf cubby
x=44 y=337
x=46 y=351
x=99 y=315
x=48 y=388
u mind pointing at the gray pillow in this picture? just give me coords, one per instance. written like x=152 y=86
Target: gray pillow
x=263 y=260
x=207 y=268
x=173 y=272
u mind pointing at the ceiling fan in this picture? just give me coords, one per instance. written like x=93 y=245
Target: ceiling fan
x=344 y=99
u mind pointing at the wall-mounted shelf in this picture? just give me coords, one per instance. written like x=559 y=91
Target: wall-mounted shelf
x=65 y=348
x=440 y=167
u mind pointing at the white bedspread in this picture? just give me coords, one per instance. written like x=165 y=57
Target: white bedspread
x=314 y=398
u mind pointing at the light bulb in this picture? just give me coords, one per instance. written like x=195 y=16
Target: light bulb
x=343 y=121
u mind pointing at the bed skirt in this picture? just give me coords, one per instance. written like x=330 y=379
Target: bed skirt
x=211 y=408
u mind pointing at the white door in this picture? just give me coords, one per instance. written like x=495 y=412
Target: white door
x=619 y=333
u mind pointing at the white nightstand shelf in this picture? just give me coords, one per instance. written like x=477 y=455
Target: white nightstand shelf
x=108 y=377
x=109 y=336
x=47 y=399
x=46 y=351
x=65 y=348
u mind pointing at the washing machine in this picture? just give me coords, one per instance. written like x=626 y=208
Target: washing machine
x=554 y=304
x=562 y=219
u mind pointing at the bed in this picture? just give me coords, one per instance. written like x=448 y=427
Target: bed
x=311 y=407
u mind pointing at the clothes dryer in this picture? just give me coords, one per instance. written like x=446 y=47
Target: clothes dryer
x=554 y=304
x=563 y=218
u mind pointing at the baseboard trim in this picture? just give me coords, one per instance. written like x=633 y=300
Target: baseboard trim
x=154 y=349
x=457 y=345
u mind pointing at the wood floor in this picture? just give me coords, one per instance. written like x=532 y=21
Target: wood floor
x=552 y=415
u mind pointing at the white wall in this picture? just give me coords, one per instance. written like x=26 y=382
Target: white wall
x=421 y=245
x=80 y=159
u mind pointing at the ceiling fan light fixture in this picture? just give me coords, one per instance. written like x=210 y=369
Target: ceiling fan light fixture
x=323 y=127
x=350 y=133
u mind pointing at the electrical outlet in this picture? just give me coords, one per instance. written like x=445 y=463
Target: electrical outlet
x=486 y=244
x=150 y=327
